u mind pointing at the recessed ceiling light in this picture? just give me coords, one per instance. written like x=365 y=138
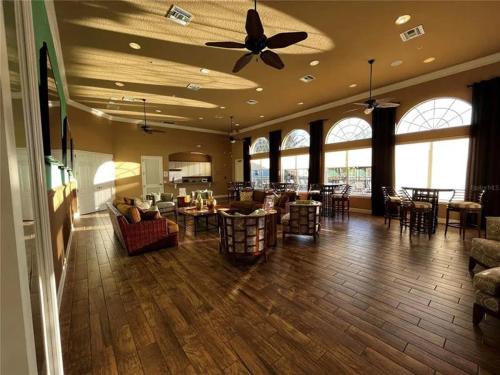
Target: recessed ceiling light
x=352 y=85
x=252 y=101
x=134 y=45
x=396 y=63
x=199 y=146
x=236 y=124
x=259 y=89
x=119 y=84
x=158 y=111
x=222 y=107
x=300 y=103
x=204 y=71
x=314 y=63
x=261 y=116
x=429 y=60
x=401 y=20
x=200 y=118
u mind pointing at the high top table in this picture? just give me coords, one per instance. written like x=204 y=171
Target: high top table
x=420 y=194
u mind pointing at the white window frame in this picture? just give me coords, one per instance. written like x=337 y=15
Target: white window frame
x=254 y=145
x=291 y=134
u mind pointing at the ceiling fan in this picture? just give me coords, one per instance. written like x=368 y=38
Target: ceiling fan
x=145 y=127
x=372 y=103
x=256 y=41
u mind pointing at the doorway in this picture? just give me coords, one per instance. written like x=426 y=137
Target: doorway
x=95 y=173
x=152 y=174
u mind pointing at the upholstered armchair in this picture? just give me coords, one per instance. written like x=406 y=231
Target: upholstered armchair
x=302 y=219
x=165 y=203
x=243 y=234
x=486 y=251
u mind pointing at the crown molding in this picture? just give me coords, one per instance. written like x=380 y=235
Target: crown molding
x=102 y=114
x=459 y=68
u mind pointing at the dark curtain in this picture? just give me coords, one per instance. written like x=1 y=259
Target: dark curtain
x=315 y=151
x=274 y=155
x=383 y=142
x=483 y=170
x=246 y=158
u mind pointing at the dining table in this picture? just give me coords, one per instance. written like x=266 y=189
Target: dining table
x=430 y=195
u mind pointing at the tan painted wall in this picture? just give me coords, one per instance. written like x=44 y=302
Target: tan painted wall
x=127 y=144
x=452 y=86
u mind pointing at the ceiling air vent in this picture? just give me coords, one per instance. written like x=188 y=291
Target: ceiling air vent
x=193 y=86
x=307 y=78
x=412 y=33
x=179 y=15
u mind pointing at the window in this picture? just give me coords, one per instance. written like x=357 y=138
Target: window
x=259 y=173
x=440 y=164
x=353 y=167
x=349 y=129
x=260 y=146
x=296 y=139
x=434 y=114
x=295 y=170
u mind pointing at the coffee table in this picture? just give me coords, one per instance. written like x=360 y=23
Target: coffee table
x=197 y=216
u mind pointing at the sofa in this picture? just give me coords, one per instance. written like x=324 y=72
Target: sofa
x=139 y=234
x=251 y=200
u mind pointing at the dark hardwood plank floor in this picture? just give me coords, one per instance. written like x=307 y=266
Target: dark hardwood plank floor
x=360 y=300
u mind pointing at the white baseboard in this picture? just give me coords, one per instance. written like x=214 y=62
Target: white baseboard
x=60 y=288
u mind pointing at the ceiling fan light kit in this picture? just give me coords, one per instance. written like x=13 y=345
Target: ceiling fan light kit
x=257 y=42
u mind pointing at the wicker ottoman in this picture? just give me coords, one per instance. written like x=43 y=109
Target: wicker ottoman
x=487 y=284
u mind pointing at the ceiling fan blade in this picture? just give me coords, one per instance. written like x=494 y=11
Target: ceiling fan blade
x=387 y=105
x=253 y=25
x=283 y=40
x=225 y=44
x=363 y=104
x=368 y=110
x=272 y=59
x=242 y=61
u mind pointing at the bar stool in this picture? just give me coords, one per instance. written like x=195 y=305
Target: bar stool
x=392 y=204
x=472 y=204
x=341 y=201
x=418 y=216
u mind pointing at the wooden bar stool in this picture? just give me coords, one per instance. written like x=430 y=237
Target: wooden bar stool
x=392 y=204
x=341 y=201
x=471 y=204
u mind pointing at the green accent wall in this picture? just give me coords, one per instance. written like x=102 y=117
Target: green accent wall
x=55 y=175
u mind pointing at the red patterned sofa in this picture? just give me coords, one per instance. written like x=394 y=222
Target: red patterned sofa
x=144 y=235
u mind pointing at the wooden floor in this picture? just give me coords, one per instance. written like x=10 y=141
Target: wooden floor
x=361 y=300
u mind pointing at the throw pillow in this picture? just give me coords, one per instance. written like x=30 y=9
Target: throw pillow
x=143 y=205
x=156 y=197
x=134 y=215
x=246 y=196
x=150 y=215
x=123 y=208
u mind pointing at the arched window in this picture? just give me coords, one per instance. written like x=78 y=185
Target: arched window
x=261 y=145
x=437 y=113
x=296 y=139
x=349 y=129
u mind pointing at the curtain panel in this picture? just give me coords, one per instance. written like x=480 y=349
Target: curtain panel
x=274 y=155
x=383 y=149
x=315 y=151
x=483 y=170
x=246 y=158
